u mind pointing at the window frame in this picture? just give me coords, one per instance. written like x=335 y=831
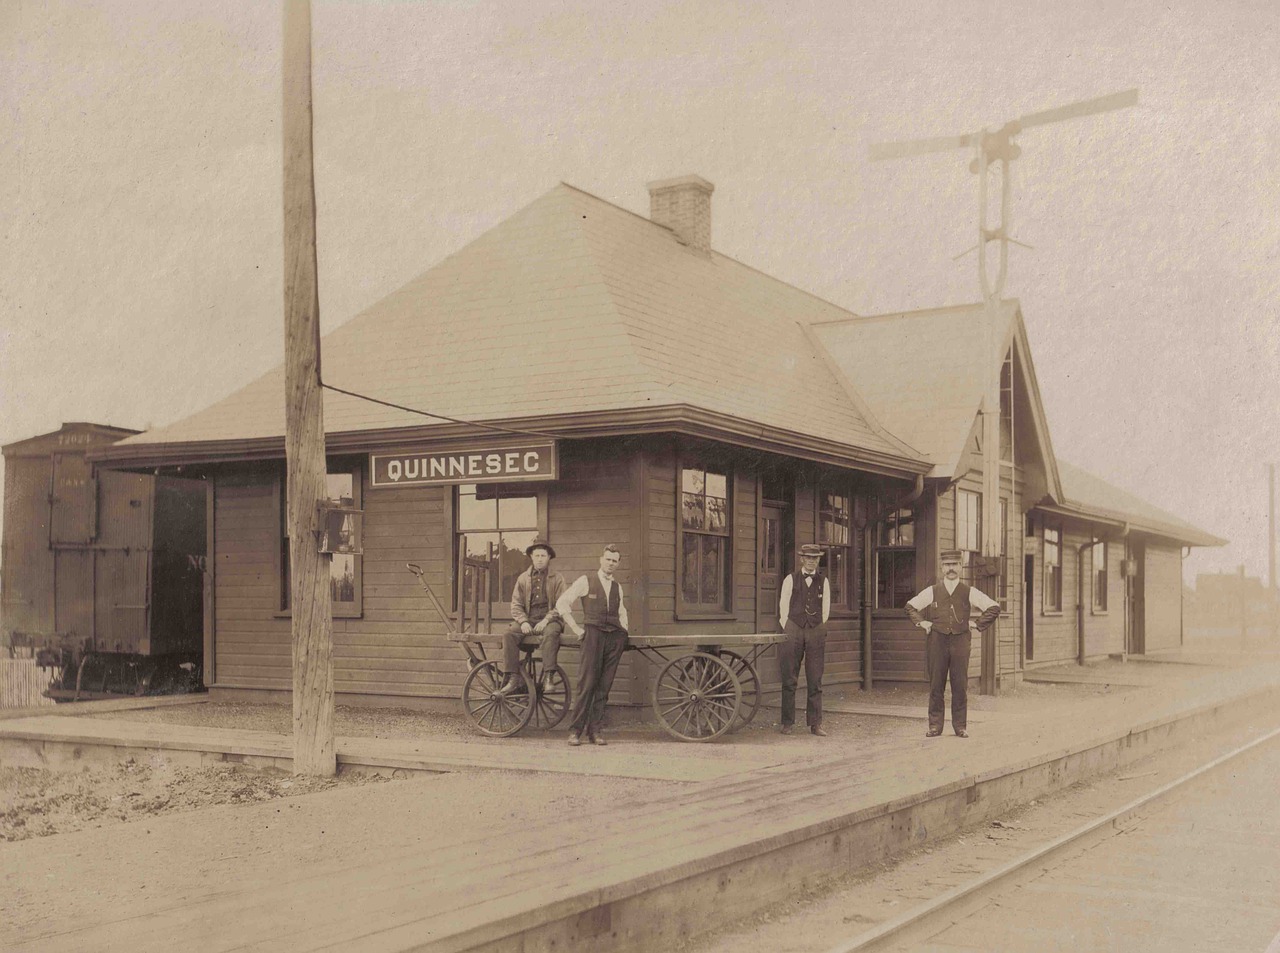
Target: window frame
x=500 y=605
x=968 y=552
x=704 y=610
x=856 y=508
x=1099 y=608
x=897 y=551
x=1047 y=607
x=283 y=564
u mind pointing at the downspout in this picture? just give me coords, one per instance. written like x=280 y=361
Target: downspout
x=868 y=577
x=1125 y=595
x=1080 y=598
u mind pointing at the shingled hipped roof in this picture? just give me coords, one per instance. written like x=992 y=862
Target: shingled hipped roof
x=570 y=307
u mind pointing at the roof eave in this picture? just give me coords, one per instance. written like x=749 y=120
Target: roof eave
x=692 y=421
x=1094 y=514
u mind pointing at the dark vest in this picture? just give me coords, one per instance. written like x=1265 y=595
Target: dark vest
x=949 y=613
x=599 y=609
x=538 y=594
x=806 y=601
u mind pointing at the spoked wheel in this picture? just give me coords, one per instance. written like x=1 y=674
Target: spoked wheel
x=696 y=697
x=494 y=714
x=553 y=702
x=750 y=681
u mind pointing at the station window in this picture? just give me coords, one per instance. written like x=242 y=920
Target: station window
x=342 y=488
x=1099 y=577
x=968 y=530
x=499 y=523
x=705 y=564
x=896 y=560
x=1052 y=569
x=837 y=538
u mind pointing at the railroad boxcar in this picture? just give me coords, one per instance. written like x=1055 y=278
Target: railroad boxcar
x=103 y=571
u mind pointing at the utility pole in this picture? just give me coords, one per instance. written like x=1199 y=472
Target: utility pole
x=1273 y=594
x=312 y=612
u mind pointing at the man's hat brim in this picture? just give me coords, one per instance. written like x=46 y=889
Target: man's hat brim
x=540 y=544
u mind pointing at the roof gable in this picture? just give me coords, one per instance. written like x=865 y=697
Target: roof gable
x=924 y=374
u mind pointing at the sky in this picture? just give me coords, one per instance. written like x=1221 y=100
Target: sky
x=140 y=244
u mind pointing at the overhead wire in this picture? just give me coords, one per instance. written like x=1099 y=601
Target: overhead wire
x=452 y=420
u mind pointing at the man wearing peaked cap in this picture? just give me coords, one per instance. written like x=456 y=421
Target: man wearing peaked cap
x=533 y=616
x=804 y=605
x=943 y=610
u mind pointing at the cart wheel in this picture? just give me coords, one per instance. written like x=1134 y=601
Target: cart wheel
x=553 y=704
x=750 y=681
x=696 y=697
x=494 y=714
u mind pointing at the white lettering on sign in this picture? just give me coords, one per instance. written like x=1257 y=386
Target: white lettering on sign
x=529 y=462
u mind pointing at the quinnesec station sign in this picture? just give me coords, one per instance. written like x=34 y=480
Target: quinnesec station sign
x=533 y=461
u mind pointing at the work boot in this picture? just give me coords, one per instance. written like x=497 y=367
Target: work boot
x=596 y=738
x=818 y=730
x=575 y=738
x=513 y=685
x=548 y=682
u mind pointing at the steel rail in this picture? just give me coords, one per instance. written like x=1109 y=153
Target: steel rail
x=951 y=907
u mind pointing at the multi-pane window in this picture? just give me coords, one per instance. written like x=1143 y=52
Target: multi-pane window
x=896 y=560
x=836 y=537
x=499 y=524
x=1100 y=577
x=1006 y=408
x=342 y=488
x=704 y=539
x=968 y=530
x=1052 y=569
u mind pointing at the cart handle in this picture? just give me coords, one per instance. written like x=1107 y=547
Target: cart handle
x=440 y=610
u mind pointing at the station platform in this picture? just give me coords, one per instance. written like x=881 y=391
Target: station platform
x=709 y=832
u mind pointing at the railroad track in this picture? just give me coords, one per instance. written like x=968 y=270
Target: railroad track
x=935 y=915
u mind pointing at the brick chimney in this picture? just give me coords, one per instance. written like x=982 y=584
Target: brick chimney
x=684 y=206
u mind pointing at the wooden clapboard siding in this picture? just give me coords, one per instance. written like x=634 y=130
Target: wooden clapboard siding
x=1163 y=580
x=897 y=648
x=1104 y=631
x=593 y=504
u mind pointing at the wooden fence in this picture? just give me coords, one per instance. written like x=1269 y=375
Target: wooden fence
x=22 y=681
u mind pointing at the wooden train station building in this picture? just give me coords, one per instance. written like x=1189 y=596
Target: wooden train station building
x=597 y=377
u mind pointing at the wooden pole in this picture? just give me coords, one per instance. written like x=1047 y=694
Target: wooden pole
x=313 y=747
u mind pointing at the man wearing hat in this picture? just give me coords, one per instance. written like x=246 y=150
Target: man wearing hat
x=804 y=604
x=604 y=639
x=533 y=613
x=943 y=611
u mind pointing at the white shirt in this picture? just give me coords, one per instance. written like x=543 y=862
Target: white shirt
x=977 y=598
x=581 y=586
x=784 y=599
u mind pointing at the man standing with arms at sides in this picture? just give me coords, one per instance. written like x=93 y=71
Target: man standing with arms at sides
x=605 y=618
x=804 y=604
x=942 y=610
x=533 y=613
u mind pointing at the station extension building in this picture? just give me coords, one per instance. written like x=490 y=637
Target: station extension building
x=638 y=388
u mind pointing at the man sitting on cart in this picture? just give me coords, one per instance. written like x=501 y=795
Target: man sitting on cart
x=533 y=614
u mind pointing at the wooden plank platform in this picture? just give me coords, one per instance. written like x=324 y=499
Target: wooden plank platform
x=640 y=871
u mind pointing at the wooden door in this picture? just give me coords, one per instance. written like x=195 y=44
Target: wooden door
x=770 y=546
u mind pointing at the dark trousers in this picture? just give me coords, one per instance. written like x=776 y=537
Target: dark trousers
x=810 y=647
x=597 y=664
x=550 y=642
x=948 y=655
